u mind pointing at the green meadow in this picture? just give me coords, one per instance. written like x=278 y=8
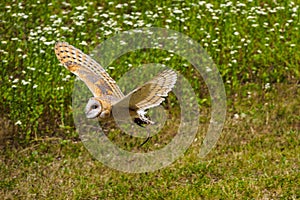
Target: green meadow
x=255 y=46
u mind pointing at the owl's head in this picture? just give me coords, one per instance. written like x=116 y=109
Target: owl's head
x=93 y=108
x=97 y=107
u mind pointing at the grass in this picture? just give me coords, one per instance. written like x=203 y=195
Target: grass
x=255 y=47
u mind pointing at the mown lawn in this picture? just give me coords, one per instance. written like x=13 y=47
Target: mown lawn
x=254 y=45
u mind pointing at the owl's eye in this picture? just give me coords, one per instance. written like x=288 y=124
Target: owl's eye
x=94 y=106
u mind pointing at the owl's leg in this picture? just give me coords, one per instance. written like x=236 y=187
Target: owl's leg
x=141 y=122
x=142 y=119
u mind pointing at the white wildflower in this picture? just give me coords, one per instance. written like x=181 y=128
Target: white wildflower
x=80 y=7
x=176 y=11
x=83 y=43
x=267 y=85
x=18 y=122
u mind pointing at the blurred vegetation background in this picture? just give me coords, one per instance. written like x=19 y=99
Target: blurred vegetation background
x=254 y=44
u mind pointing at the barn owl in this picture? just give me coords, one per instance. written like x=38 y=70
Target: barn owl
x=107 y=94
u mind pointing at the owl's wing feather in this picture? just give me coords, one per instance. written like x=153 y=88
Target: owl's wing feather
x=150 y=94
x=88 y=70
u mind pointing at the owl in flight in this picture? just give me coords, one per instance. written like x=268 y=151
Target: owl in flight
x=107 y=94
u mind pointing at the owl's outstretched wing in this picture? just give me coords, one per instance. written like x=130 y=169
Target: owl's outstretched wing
x=88 y=70
x=150 y=94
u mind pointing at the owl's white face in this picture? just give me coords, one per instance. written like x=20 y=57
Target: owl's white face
x=93 y=108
